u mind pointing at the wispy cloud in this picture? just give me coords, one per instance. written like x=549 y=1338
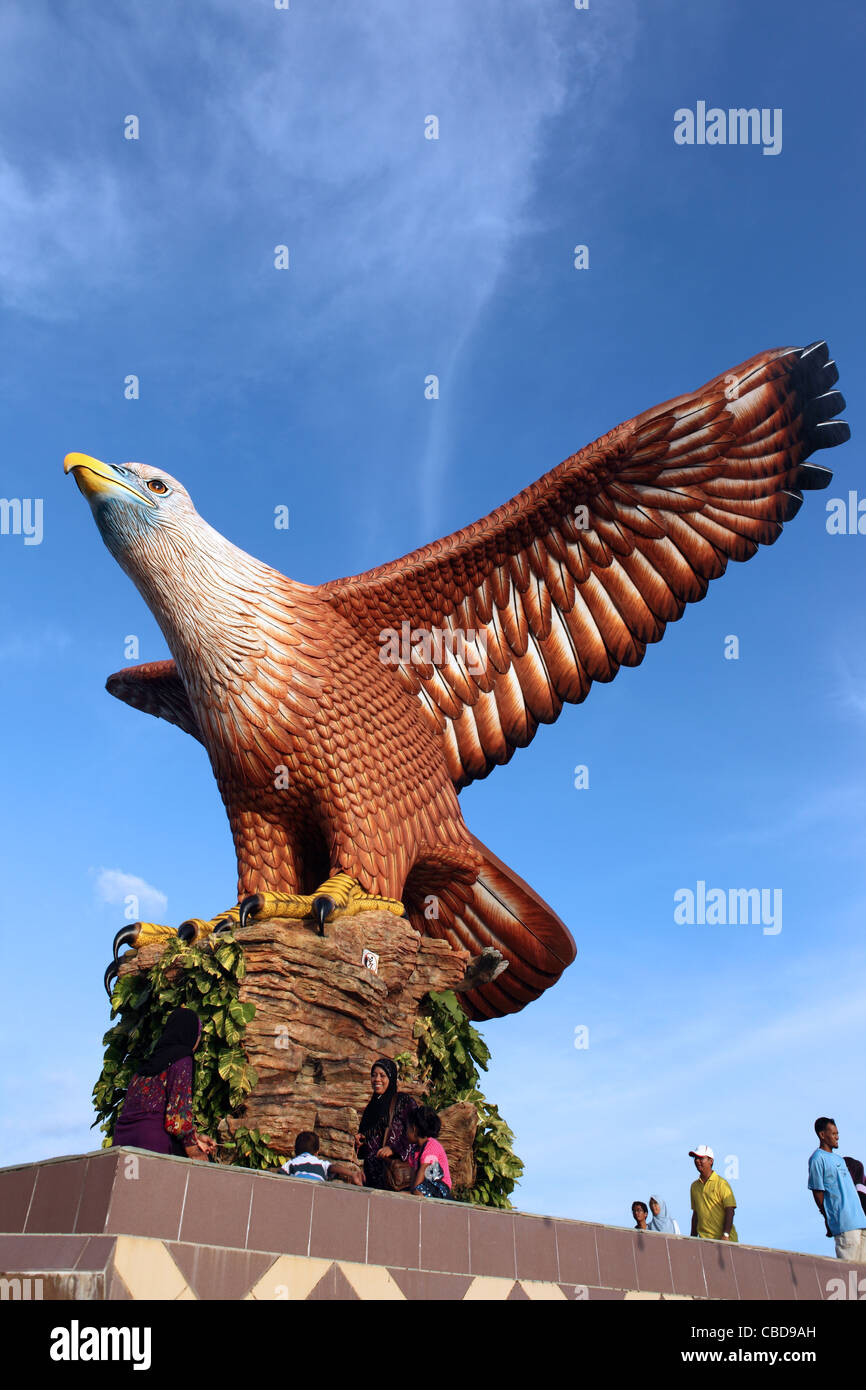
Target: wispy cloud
x=115 y=886
x=51 y=226
x=304 y=128
x=843 y=804
x=24 y=647
x=368 y=205
x=745 y=1079
x=850 y=689
x=25 y=1137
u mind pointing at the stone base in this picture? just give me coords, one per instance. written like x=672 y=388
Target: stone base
x=323 y=1017
x=125 y=1224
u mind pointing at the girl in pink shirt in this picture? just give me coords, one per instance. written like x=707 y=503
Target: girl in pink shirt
x=434 y=1177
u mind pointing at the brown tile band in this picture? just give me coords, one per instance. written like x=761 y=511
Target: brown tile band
x=123 y=1220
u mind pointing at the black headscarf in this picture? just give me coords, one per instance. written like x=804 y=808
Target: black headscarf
x=178 y=1039
x=378 y=1107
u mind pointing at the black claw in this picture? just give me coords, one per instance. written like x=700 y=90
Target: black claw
x=127 y=936
x=249 y=906
x=223 y=925
x=110 y=974
x=186 y=932
x=322 y=909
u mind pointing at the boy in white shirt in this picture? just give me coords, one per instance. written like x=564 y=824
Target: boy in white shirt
x=307 y=1163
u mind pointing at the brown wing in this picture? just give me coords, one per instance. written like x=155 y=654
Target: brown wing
x=575 y=576
x=156 y=688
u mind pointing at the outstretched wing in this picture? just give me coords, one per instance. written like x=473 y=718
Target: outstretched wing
x=573 y=578
x=156 y=688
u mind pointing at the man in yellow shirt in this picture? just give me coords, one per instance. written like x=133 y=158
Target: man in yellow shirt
x=713 y=1202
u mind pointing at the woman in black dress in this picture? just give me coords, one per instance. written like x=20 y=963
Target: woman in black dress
x=383 y=1124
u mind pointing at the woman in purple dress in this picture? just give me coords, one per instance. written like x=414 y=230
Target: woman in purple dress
x=158 y=1113
x=383 y=1124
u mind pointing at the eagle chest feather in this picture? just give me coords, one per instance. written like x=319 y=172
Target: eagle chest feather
x=311 y=711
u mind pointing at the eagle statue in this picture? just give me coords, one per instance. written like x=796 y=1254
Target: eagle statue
x=342 y=719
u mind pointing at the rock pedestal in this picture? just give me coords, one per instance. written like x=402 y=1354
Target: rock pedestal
x=323 y=1017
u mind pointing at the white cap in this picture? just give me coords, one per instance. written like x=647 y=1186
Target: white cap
x=702 y=1151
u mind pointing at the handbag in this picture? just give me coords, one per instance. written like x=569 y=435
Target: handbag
x=399 y=1175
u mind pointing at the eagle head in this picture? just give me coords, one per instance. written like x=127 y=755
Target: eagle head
x=135 y=507
x=194 y=581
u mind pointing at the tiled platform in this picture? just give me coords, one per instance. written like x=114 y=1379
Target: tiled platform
x=122 y=1223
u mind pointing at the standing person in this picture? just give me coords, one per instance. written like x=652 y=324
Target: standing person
x=858 y=1177
x=640 y=1212
x=713 y=1202
x=661 y=1221
x=383 y=1124
x=835 y=1194
x=158 y=1111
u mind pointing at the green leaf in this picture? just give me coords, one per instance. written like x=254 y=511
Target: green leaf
x=227 y=955
x=227 y=1061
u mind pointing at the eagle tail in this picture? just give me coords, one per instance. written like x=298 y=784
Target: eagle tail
x=500 y=910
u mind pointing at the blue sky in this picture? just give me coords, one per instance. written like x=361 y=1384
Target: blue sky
x=306 y=388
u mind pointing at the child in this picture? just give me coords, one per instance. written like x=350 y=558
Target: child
x=307 y=1163
x=434 y=1177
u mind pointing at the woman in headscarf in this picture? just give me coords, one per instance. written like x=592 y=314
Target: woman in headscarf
x=383 y=1124
x=660 y=1220
x=157 y=1113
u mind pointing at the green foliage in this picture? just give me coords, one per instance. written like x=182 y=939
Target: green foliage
x=249 y=1148
x=406 y=1067
x=450 y=1051
x=207 y=982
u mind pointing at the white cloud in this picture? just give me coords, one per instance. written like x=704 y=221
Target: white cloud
x=115 y=886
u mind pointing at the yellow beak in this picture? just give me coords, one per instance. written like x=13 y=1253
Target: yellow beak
x=95 y=477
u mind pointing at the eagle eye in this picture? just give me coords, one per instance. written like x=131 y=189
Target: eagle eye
x=157 y=485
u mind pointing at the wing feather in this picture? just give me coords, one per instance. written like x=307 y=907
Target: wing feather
x=156 y=688
x=575 y=576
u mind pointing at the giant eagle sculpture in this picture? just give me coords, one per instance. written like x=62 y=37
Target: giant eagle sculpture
x=341 y=720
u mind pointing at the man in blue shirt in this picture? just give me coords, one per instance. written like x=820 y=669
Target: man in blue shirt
x=835 y=1194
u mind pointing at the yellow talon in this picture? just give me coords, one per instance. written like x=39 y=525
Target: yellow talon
x=151 y=932
x=196 y=929
x=282 y=905
x=340 y=889
x=339 y=896
x=364 y=904
x=138 y=934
